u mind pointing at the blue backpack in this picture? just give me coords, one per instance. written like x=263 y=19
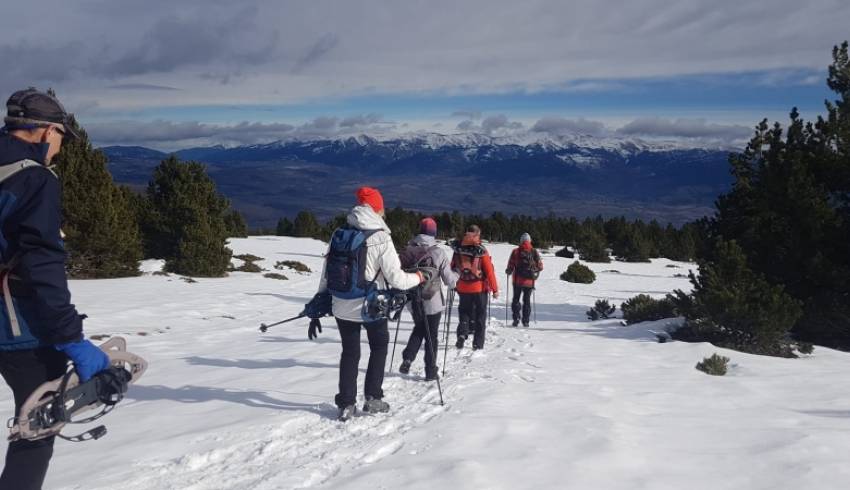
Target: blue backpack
x=346 y=264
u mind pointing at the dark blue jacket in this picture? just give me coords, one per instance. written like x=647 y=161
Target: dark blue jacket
x=30 y=218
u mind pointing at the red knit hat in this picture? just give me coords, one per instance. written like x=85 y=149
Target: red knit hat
x=428 y=227
x=370 y=196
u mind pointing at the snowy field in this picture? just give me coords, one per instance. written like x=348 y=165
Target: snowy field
x=565 y=404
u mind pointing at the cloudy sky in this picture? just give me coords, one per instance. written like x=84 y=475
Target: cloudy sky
x=170 y=74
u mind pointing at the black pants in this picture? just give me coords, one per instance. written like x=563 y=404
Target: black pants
x=526 y=303
x=431 y=337
x=24 y=371
x=472 y=311
x=349 y=361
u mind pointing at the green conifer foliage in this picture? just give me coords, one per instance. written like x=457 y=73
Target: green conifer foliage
x=732 y=306
x=102 y=233
x=185 y=220
x=306 y=225
x=789 y=210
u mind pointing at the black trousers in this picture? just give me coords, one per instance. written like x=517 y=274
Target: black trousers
x=24 y=371
x=472 y=310
x=526 y=304
x=431 y=337
x=349 y=362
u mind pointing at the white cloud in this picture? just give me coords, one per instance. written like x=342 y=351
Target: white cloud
x=559 y=125
x=684 y=128
x=269 y=51
x=496 y=124
x=172 y=135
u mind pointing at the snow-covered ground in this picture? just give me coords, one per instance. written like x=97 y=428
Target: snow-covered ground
x=567 y=403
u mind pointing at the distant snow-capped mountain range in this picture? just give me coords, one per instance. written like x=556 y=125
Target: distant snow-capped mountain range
x=471 y=140
x=575 y=174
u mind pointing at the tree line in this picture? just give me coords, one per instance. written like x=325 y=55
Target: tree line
x=595 y=239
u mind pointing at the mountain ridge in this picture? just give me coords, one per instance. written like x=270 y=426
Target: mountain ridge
x=578 y=175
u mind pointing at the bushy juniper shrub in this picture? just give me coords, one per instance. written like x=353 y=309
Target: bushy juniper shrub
x=715 y=365
x=643 y=308
x=601 y=310
x=578 y=273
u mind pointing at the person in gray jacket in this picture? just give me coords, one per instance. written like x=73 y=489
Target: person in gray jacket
x=423 y=251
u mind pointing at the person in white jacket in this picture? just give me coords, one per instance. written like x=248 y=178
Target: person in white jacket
x=383 y=266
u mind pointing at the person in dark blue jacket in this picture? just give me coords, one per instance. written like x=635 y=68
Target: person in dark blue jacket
x=40 y=330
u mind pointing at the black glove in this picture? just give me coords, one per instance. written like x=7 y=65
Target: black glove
x=315 y=324
x=111 y=384
x=321 y=305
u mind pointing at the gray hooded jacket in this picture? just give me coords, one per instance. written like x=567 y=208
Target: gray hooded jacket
x=441 y=261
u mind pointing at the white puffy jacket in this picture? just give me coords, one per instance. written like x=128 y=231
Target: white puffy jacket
x=381 y=261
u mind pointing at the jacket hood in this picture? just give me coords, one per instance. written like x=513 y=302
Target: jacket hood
x=13 y=149
x=423 y=241
x=471 y=239
x=365 y=218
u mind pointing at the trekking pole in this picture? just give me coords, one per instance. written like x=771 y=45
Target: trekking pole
x=397 y=326
x=534 y=303
x=418 y=310
x=507 y=295
x=448 y=324
x=433 y=355
x=489 y=295
x=264 y=327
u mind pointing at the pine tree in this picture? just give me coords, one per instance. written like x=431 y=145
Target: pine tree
x=634 y=247
x=235 y=223
x=732 y=306
x=306 y=225
x=284 y=227
x=789 y=210
x=592 y=247
x=184 y=220
x=102 y=232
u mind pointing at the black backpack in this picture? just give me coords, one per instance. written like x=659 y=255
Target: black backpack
x=416 y=257
x=527 y=264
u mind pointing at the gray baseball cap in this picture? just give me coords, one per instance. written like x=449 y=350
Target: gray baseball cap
x=31 y=107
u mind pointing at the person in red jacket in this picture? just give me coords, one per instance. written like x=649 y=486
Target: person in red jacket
x=525 y=265
x=476 y=280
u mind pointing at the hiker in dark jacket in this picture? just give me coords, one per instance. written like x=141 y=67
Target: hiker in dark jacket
x=476 y=280
x=525 y=265
x=423 y=251
x=39 y=327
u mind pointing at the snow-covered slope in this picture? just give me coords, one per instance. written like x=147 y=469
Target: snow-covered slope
x=564 y=404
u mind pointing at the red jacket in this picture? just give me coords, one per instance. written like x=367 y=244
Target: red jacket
x=488 y=282
x=514 y=262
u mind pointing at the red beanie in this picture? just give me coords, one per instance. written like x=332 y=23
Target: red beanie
x=428 y=227
x=370 y=196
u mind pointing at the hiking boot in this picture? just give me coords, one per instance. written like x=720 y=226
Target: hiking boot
x=375 y=405
x=459 y=343
x=525 y=324
x=477 y=347
x=431 y=376
x=405 y=367
x=516 y=323
x=347 y=412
